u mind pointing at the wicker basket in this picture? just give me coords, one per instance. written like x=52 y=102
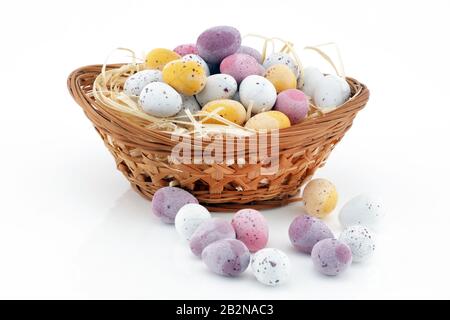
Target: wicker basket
x=141 y=154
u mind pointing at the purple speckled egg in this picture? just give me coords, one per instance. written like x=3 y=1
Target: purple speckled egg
x=331 y=256
x=217 y=43
x=168 y=200
x=227 y=257
x=251 y=52
x=240 y=66
x=305 y=231
x=209 y=231
x=293 y=103
x=184 y=49
x=251 y=228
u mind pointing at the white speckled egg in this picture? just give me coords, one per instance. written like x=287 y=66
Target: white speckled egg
x=330 y=92
x=311 y=77
x=160 y=100
x=258 y=92
x=271 y=266
x=190 y=103
x=188 y=218
x=360 y=240
x=135 y=83
x=281 y=58
x=218 y=86
x=197 y=58
x=365 y=209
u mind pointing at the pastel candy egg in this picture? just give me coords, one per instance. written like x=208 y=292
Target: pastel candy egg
x=269 y=120
x=330 y=92
x=365 y=209
x=281 y=58
x=184 y=49
x=218 y=86
x=160 y=100
x=305 y=231
x=134 y=84
x=167 y=201
x=271 y=267
x=188 y=218
x=281 y=77
x=240 y=66
x=187 y=77
x=251 y=52
x=218 y=42
x=229 y=109
x=257 y=92
x=331 y=257
x=360 y=240
x=190 y=103
x=197 y=58
x=320 y=197
x=227 y=257
x=251 y=228
x=293 y=103
x=209 y=231
x=311 y=77
x=158 y=58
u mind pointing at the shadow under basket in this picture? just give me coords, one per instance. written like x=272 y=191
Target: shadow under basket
x=142 y=154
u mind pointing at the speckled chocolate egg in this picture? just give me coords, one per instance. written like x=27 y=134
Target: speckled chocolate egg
x=281 y=58
x=229 y=109
x=184 y=49
x=331 y=257
x=168 y=200
x=271 y=267
x=227 y=257
x=189 y=217
x=269 y=120
x=190 y=103
x=158 y=58
x=294 y=104
x=251 y=52
x=311 y=77
x=365 y=209
x=134 y=84
x=360 y=240
x=218 y=86
x=187 y=77
x=320 y=197
x=197 y=58
x=209 y=231
x=281 y=77
x=305 y=231
x=160 y=100
x=251 y=228
x=240 y=66
x=330 y=92
x=218 y=42
x=257 y=92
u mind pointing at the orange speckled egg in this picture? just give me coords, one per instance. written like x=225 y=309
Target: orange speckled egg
x=158 y=58
x=281 y=77
x=268 y=120
x=320 y=197
x=187 y=77
x=230 y=110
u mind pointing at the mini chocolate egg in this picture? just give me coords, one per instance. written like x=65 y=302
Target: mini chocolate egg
x=251 y=228
x=271 y=267
x=229 y=109
x=311 y=77
x=187 y=77
x=240 y=66
x=226 y=257
x=305 y=231
x=160 y=100
x=320 y=197
x=167 y=201
x=190 y=103
x=158 y=58
x=218 y=42
x=331 y=92
x=251 y=52
x=257 y=92
x=269 y=120
x=281 y=77
x=360 y=240
x=293 y=103
x=197 y=58
x=184 y=49
x=209 y=231
x=134 y=84
x=331 y=257
x=281 y=58
x=188 y=218
x=218 y=86
x=365 y=209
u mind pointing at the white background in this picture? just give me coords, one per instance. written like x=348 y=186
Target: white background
x=70 y=226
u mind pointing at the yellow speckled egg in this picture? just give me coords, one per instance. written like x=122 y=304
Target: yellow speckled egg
x=158 y=58
x=230 y=110
x=268 y=120
x=281 y=77
x=320 y=197
x=187 y=77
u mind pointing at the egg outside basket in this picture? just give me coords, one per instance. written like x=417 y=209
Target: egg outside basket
x=142 y=154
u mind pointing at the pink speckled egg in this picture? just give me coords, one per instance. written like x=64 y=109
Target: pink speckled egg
x=184 y=49
x=168 y=200
x=218 y=42
x=226 y=257
x=331 y=257
x=240 y=66
x=305 y=231
x=251 y=228
x=293 y=103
